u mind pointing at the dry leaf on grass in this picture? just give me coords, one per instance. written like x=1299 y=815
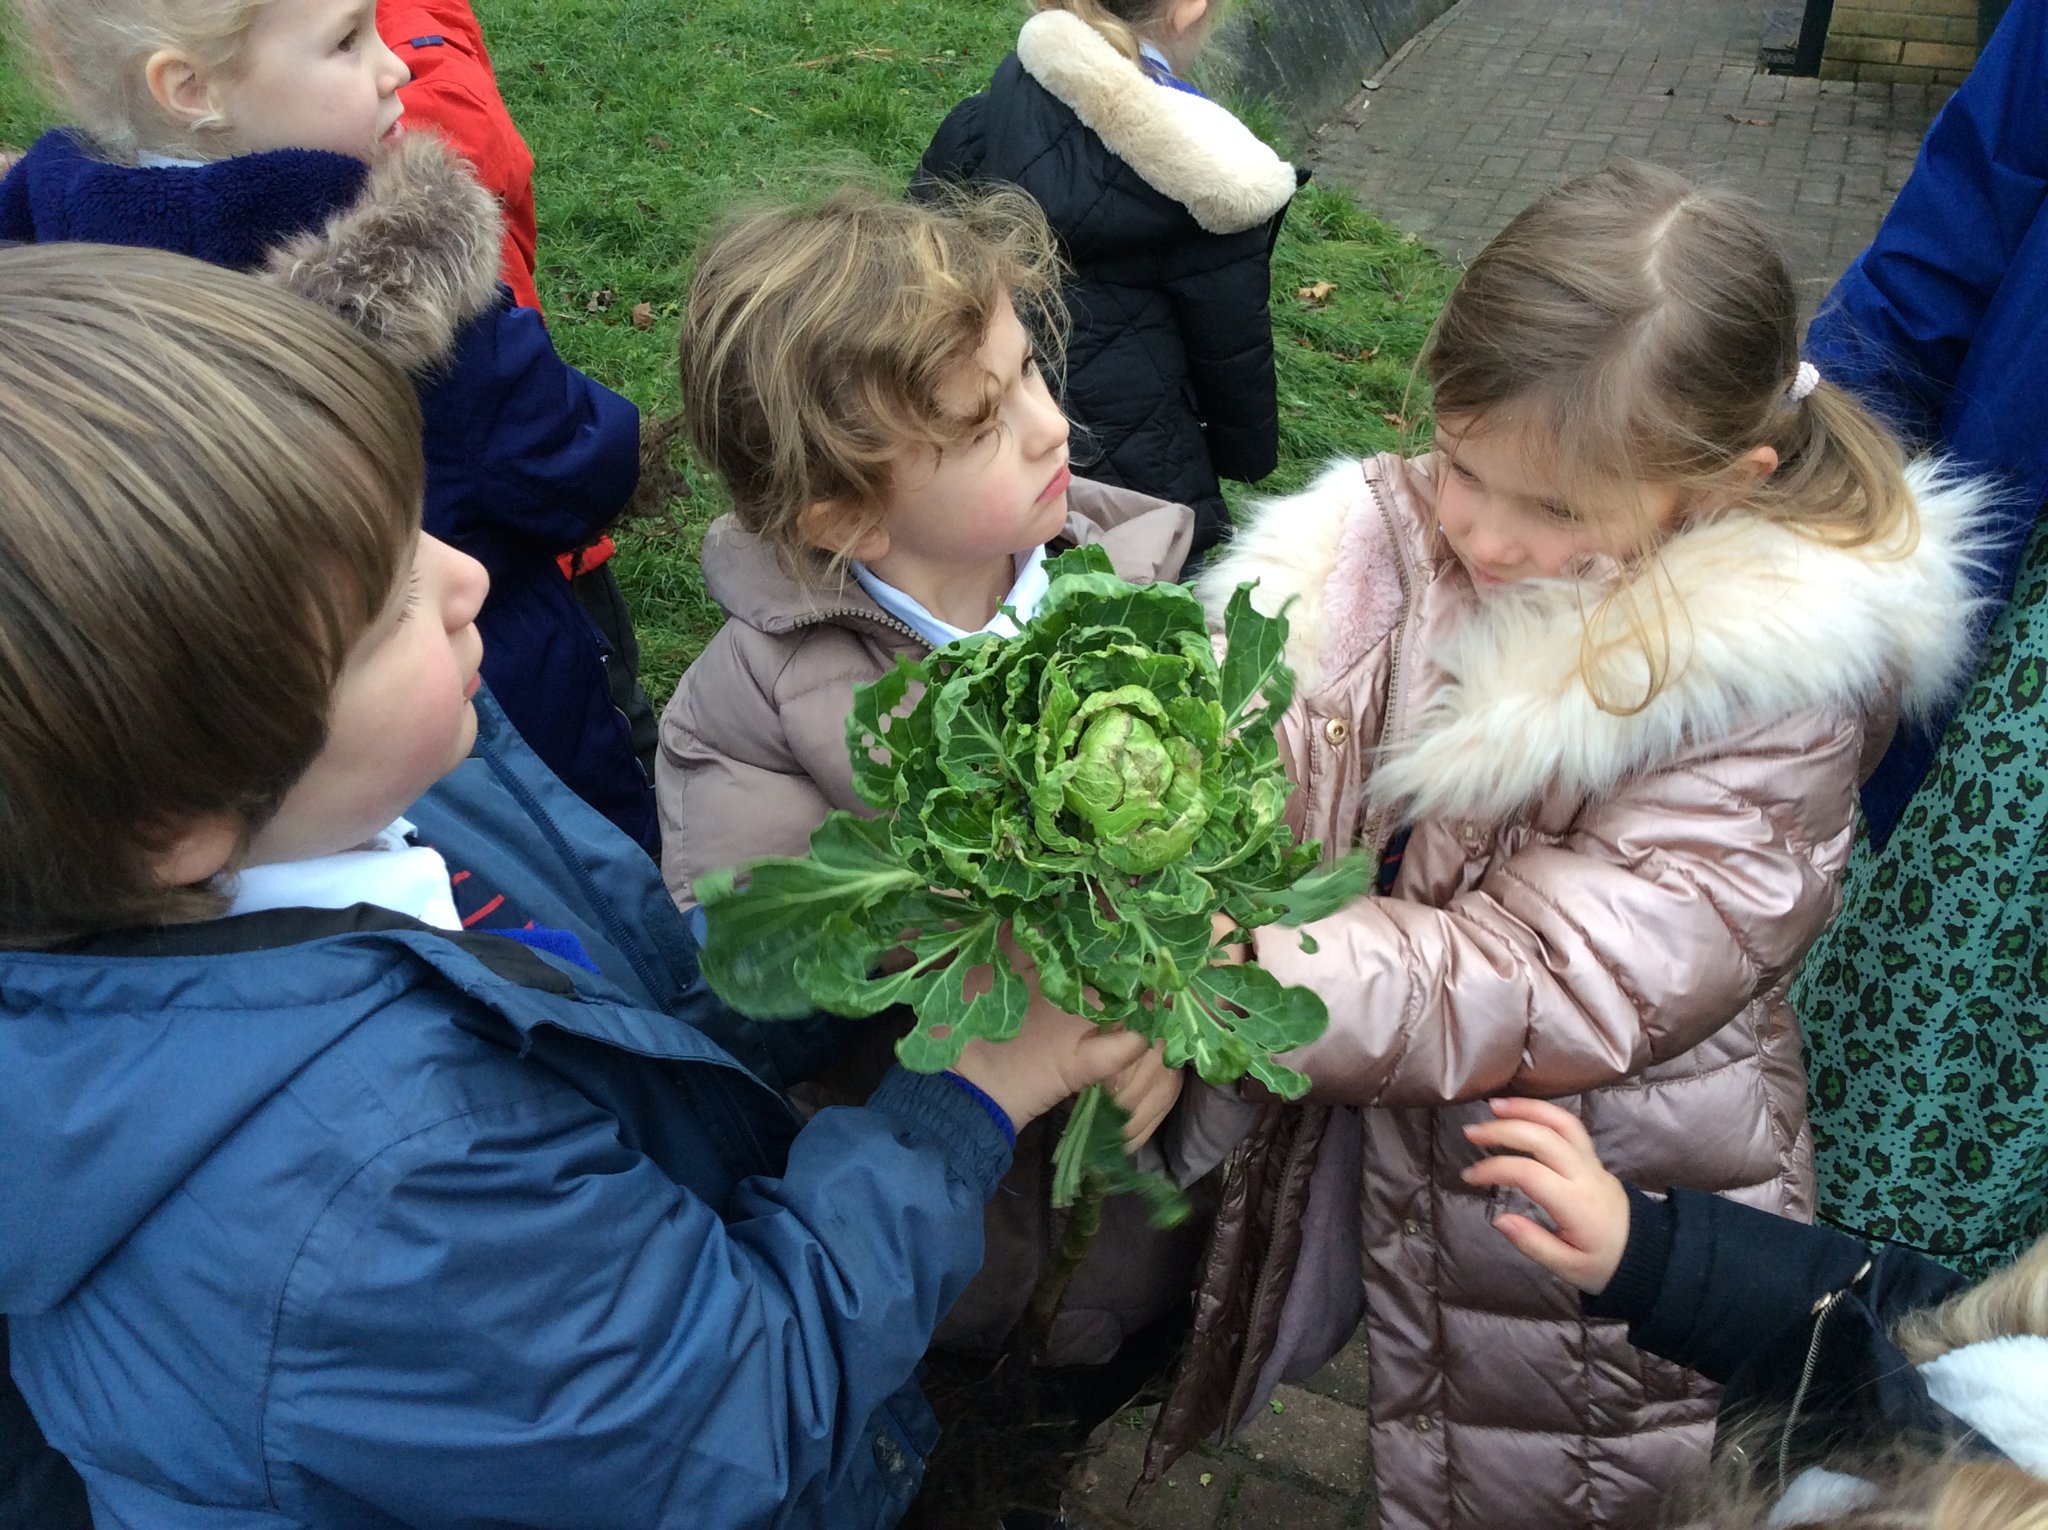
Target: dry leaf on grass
x=643 y=316
x=1316 y=293
x=600 y=300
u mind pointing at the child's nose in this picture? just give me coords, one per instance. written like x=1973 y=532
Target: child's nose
x=393 y=73
x=1045 y=425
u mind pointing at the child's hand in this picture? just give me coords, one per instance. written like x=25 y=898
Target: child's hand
x=1147 y=1089
x=1562 y=1174
x=1053 y=1056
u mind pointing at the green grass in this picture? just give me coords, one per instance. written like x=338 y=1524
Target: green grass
x=649 y=118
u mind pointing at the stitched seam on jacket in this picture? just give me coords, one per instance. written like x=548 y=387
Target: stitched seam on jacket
x=1506 y=870
x=263 y=1408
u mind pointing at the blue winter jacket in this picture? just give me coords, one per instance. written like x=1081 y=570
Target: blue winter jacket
x=526 y=457
x=1940 y=324
x=329 y=1219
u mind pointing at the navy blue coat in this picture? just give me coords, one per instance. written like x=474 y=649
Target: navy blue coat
x=1940 y=324
x=330 y=1219
x=1760 y=1303
x=1169 y=370
x=526 y=457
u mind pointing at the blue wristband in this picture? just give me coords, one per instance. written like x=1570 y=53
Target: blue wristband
x=996 y=1113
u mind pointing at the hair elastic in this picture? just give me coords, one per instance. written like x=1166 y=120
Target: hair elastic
x=1804 y=381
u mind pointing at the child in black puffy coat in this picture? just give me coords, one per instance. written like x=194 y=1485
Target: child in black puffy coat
x=1167 y=208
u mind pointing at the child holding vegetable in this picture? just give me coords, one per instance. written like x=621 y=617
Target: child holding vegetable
x=866 y=378
x=1594 y=680
x=366 y=1168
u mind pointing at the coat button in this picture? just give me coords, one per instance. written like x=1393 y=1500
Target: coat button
x=1424 y=1424
x=1336 y=730
x=1412 y=1228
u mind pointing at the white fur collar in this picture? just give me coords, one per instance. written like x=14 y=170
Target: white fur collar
x=1773 y=623
x=1185 y=147
x=2000 y=1389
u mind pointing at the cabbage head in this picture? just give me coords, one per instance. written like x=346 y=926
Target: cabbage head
x=1100 y=785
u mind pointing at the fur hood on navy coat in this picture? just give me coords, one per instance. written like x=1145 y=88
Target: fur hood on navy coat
x=526 y=457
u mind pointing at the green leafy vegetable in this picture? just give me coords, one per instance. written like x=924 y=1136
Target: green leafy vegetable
x=1098 y=785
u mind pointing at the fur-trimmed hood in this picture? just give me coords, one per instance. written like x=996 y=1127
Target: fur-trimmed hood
x=410 y=261
x=405 y=249
x=1184 y=146
x=1763 y=623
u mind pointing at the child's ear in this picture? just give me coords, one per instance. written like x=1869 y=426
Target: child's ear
x=179 y=86
x=1185 y=15
x=1754 y=466
x=1737 y=480
x=196 y=851
x=831 y=527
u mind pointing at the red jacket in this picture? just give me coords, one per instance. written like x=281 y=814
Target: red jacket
x=455 y=90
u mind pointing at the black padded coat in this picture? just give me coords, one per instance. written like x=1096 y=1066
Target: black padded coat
x=1167 y=208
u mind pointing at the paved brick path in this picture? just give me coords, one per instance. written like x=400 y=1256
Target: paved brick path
x=1499 y=99
x=1492 y=104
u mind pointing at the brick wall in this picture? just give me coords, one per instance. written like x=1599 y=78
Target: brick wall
x=1920 y=42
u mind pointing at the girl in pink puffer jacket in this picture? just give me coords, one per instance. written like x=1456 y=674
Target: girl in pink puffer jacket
x=1595 y=679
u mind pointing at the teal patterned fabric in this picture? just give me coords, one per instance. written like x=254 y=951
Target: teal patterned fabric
x=1926 y=1005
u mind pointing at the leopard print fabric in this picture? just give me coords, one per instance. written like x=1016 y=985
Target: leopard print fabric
x=1926 y=1004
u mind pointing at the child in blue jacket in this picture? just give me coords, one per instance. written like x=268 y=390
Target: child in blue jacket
x=269 y=135
x=365 y=1165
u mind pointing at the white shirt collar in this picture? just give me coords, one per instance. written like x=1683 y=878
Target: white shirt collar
x=385 y=872
x=1146 y=50
x=149 y=159
x=1024 y=598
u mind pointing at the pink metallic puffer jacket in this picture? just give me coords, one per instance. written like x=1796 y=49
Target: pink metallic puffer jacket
x=1603 y=909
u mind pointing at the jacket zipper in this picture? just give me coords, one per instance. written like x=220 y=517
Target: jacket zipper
x=1376 y=833
x=854 y=613
x=1822 y=1311
x=1376 y=836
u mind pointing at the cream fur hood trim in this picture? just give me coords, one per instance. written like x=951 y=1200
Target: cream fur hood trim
x=1765 y=623
x=411 y=261
x=1185 y=147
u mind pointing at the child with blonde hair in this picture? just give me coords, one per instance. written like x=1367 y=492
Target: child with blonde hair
x=1830 y=1348
x=366 y=1161
x=269 y=135
x=1594 y=680
x=1167 y=208
x=870 y=379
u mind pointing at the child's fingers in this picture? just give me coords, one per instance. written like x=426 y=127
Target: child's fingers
x=1105 y=1054
x=1543 y=1112
x=1544 y=1186
x=1537 y=1242
x=1541 y=1142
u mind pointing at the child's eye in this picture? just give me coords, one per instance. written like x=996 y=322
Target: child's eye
x=1556 y=510
x=348 y=43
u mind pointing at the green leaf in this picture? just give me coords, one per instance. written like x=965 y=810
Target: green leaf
x=948 y=1015
x=1091 y=1154
x=1254 y=661
x=758 y=935
x=1322 y=893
